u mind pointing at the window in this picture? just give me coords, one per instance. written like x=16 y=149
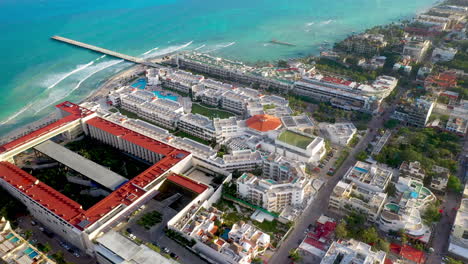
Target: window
x=465 y=234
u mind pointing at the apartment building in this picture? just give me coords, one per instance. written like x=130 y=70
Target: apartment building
x=366 y=44
x=163 y=112
x=457 y=125
x=443 y=54
x=198 y=126
x=414 y=112
x=405 y=212
x=373 y=177
x=279 y=168
x=181 y=81
x=241 y=160
x=296 y=145
x=458 y=246
x=352 y=251
x=350 y=197
x=272 y=195
x=338 y=133
x=228 y=127
x=412 y=170
x=416 y=48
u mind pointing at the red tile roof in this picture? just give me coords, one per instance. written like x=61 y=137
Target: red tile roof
x=336 y=80
x=187 y=183
x=263 y=123
x=75 y=112
x=43 y=194
x=131 y=136
x=408 y=252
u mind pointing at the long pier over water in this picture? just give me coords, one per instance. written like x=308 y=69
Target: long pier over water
x=105 y=51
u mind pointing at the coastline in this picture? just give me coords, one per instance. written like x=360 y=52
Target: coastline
x=132 y=71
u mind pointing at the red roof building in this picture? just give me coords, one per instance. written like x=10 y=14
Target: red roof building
x=409 y=253
x=187 y=183
x=443 y=80
x=263 y=123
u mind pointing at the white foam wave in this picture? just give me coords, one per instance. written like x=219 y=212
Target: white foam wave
x=150 y=51
x=167 y=50
x=326 y=22
x=17 y=114
x=220 y=46
x=310 y=24
x=200 y=47
x=79 y=68
x=102 y=57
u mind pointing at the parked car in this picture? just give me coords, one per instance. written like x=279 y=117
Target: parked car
x=165 y=249
x=33 y=223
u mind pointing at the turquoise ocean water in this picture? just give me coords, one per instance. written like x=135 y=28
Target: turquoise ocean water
x=37 y=72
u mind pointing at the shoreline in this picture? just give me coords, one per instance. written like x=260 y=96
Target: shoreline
x=133 y=70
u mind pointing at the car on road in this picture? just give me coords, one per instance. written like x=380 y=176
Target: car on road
x=76 y=254
x=41 y=229
x=165 y=249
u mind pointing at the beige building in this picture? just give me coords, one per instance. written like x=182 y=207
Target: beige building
x=459 y=238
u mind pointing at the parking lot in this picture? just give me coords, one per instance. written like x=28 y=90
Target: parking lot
x=44 y=236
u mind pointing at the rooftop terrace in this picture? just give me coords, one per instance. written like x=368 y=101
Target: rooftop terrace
x=295 y=139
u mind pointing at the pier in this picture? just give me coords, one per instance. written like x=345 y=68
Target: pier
x=106 y=51
x=274 y=41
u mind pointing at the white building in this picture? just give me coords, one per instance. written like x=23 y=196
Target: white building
x=296 y=145
x=349 y=197
x=443 y=54
x=114 y=248
x=338 y=133
x=459 y=237
x=228 y=127
x=272 y=195
x=373 y=177
x=279 y=168
x=457 y=125
x=405 y=213
x=416 y=47
x=352 y=252
x=198 y=126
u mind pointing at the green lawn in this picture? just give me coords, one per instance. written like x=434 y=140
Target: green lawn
x=210 y=112
x=295 y=139
x=186 y=135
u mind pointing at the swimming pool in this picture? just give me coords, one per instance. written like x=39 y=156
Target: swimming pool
x=28 y=251
x=167 y=95
x=14 y=239
x=140 y=84
x=33 y=254
x=360 y=169
x=9 y=236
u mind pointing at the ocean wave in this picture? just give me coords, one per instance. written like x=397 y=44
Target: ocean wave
x=22 y=110
x=168 y=50
x=200 y=47
x=310 y=24
x=102 y=57
x=66 y=75
x=326 y=22
x=220 y=46
x=153 y=49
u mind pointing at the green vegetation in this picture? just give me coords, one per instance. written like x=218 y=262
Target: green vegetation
x=453 y=261
x=354 y=141
x=179 y=238
x=283 y=64
x=353 y=227
x=339 y=161
x=454 y=184
x=327 y=113
x=361 y=155
x=391 y=189
x=44 y=248
x=426 y=145
x=58 y=257
x=150 y=219
x=210 y=112
x=108 y=156
x=460 y=61
x=355 y=73
x=391 y=123
x=295 y=139
x=223 y=149
x=294 y=255
x=187 y=135
x=269 y=106
x=10 y=206
x=431 y=214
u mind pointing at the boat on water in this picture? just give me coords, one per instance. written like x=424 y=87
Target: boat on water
x=274 y=41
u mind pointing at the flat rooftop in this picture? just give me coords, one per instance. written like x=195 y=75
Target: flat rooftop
x=86 y=167
x=295 y=139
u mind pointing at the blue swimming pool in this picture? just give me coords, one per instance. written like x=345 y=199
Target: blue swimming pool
x=9 y=236
x=225 y=234
x=28 y=251
x=360 y=169
x=140 y=84
x=166 y=95
x=14 y=239
x=33 y=254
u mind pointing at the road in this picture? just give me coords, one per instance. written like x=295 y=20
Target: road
x=320 y=204
x=443 y=229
